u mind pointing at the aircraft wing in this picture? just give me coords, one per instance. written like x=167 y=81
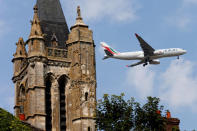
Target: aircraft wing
x=135 y=64
x=148 y=50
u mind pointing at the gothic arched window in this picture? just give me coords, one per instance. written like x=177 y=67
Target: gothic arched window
x=62 y=102
x=48 y=110
x=22 y=98
x=86 y=96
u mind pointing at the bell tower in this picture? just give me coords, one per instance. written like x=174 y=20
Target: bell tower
x=55 y=80
x=81 y=50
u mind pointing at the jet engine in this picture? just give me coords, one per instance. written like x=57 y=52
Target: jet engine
x=155 y=62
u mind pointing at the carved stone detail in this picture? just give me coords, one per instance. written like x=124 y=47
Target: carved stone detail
x=58 y=63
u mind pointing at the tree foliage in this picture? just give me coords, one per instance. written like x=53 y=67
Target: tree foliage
x=146 y=117
x=10 y=123
x=114 y=113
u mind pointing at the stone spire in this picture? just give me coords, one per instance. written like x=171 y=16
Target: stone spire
x=79 y=19
x=20 y=50
x=52 y=21
x=19 y=56
x=36 y=31
x=36 y=45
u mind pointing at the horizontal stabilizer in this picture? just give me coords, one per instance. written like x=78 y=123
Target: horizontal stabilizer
x=105 y=57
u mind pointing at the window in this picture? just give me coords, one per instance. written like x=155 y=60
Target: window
x=64 y=54
x=48 y=109
x=86 y=96
x=22 y=109
x=57 y=53
x=89 y=129
x=50 y=52
x=62 y=102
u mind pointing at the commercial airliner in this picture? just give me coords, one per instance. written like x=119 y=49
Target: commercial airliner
x=148 y=55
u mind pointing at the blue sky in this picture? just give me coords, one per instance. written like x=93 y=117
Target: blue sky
x=163 y=24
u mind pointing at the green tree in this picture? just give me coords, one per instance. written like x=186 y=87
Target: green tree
x=10 y=123
x=146 y=118
x=114 y=113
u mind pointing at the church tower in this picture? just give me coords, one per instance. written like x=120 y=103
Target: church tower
x=55 y=80
x=81 y=50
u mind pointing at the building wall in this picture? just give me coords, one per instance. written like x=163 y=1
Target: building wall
x=38 y=85
x=172 y=124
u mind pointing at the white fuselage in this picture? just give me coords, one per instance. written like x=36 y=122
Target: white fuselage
x=139 y=55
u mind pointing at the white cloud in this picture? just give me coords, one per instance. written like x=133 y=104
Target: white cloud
x=177 y=86
x=142 y=79
x=118 y=10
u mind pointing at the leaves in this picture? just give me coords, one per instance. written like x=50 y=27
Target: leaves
x=114 y=113
x=146 y=117
x=10 y=123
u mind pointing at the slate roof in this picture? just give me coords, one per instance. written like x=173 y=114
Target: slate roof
x=52 y=21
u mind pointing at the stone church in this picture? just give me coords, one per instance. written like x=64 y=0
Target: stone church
x=55 y=78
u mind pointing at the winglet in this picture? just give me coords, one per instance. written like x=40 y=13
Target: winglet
x=136 y=35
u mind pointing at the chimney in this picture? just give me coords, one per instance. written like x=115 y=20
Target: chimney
x=168 y=114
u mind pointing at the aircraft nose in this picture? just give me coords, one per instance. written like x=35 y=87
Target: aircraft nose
x=184 y=51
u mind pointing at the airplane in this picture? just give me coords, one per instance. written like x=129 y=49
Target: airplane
x=148 y=56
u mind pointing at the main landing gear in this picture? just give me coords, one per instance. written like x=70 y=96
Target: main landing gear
x=145 y=64
x=177 y=57
x=146 y=61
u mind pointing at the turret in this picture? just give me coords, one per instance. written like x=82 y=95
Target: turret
x=36 y=37
x=81 y=50
x=19 y=56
